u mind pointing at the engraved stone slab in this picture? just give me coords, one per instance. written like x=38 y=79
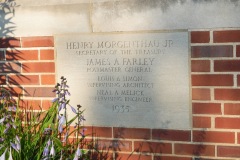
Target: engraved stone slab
x=128 y=79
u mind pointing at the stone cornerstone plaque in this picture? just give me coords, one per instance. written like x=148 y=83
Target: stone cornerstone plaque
x=128 y=79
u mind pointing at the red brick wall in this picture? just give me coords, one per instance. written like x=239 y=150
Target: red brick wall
x=27 y=66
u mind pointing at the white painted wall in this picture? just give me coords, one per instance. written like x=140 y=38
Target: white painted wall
x=50 y=17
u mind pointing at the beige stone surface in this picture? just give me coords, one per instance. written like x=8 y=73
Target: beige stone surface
x=164 y=14
x=52 y=19
x=76 y=16
x=128 y=79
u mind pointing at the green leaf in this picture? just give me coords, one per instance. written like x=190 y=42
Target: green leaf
x=57 y=142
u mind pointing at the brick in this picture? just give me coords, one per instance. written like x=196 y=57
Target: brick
x=227 y=65
x=10 y=67
x=232 y=108
x=152 y=147
x=238 y=138
x=105 y=132
x=212 y=51
x=194 y=149
x=206 y=108
x=227 y=123
x=213 y=136
x=171 y=158
x=30 y=104
x=124 y=156
x=200 y=37
x=47 y=54
x=23 y=79
x=238 y=80
x=88 y=143
x=228 y=151
x=15 y=91
x=10 y=42
x=227 y=94
x=172 y=135
x=28 y=114
x=201 y=122
x=226 y=36
x=238 y=50
x=38 y=67
x=131 y=133
x=48 y=79
x=114 y=145
x=196 y=158
x=104 y=155
x=2 y=79
x=39 y=92
x=201 y=94
x=46 y=104
x=200 y=66
x=212 y=80
x=41 y=41
x=2 y=55
x=21 y=55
